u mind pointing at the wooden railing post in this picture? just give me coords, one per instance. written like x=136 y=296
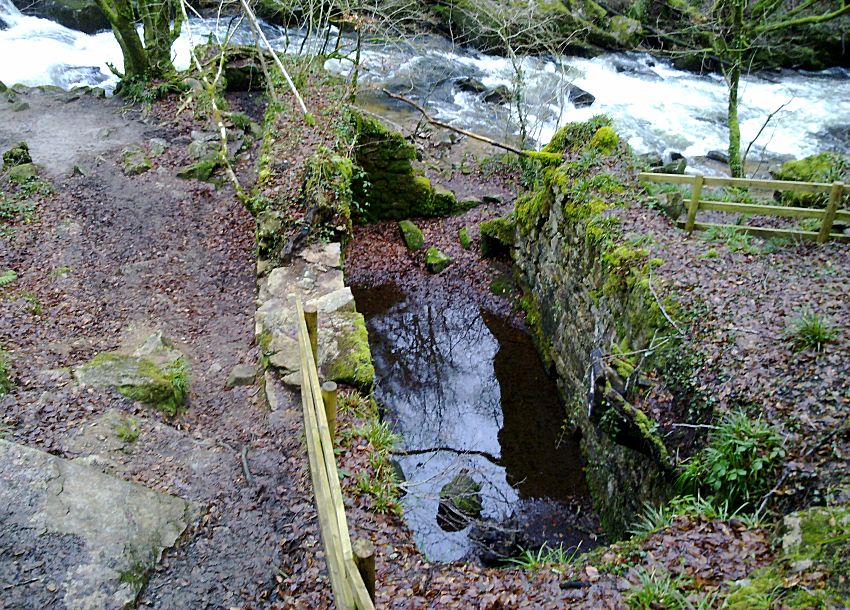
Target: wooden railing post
x=311 y=318
x=694 y=205
x=835 y=194
x=364 y=559
x=329 y=398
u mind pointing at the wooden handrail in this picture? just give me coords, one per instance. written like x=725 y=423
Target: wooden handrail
x=349 y=590
x=827 y=216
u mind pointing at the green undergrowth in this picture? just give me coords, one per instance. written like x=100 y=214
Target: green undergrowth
x=380 y=481
x=740 y=463
x=5 y=374
x=19 y=202
x=554 y=558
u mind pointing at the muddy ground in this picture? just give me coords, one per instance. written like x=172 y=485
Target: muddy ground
x=108 y=260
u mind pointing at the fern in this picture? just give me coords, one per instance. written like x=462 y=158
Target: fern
x=7 y=277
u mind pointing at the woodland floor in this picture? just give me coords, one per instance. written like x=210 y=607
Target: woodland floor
x=108 y=258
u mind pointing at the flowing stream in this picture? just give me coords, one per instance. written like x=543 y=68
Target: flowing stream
x=656 y=107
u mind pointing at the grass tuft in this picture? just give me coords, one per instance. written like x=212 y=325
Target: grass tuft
x=810 y=331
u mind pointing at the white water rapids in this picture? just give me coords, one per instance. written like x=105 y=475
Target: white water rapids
x=655 y=106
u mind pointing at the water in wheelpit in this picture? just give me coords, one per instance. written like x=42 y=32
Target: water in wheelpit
x=480 y=421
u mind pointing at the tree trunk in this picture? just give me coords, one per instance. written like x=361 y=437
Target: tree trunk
x=123 y=21
x=735 y=167
x=156 y=18
x=739 y=42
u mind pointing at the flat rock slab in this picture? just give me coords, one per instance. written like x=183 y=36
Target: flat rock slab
x=315 y=275
x=74 y=537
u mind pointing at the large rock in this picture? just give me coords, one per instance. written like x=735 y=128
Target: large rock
x=579 y=97
x=154 y=374
x=82 y=15
x=77 y=538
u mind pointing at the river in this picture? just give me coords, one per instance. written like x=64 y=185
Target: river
x=655 y=106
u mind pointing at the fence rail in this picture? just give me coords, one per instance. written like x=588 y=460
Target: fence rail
x=351 y=567
x=827 y=216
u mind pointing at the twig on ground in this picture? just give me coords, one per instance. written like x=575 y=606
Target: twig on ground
x=245 y=468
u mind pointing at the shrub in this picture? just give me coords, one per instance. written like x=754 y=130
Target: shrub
x=740 y=463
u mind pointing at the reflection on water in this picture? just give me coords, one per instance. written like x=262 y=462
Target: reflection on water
x=466 y=390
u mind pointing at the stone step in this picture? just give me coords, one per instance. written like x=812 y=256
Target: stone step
x=316 y=276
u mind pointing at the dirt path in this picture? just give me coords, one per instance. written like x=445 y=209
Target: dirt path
x=109 y=260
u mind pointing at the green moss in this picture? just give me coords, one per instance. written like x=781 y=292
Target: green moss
x=411 y=234
x=574 y=136
x=497 y=235
x=811 y=571
x=19 y=154
x=436 y=260
x=547 y=158
x=604 y=141
x=464 y=238
x=5 y=379
x=532 y=207
x=140 y=379
x=824 y=167
x=354 y=363
x=200 y=170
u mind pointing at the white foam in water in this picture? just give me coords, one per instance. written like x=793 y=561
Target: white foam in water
x=654 y=106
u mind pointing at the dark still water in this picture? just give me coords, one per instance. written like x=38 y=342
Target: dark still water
x=466 y=390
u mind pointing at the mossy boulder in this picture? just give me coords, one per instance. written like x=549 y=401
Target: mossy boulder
x=22 y=173
x=460 y=502
x=3 y=87
x=576 y=136
x=411 y=234
x=436 y=260
x=19 y=154
x=823 y=167
x=200 y=170
x=464 y=238
x=626 y=31
x=138 y=378
x=811 y=569
x=497 y=235
x=134 y=161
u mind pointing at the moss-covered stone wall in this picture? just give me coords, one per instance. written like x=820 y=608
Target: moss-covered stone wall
x=588 y=300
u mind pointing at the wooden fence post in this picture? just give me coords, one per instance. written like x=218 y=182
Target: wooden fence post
x=311 y=318
x=835 y=194
x=694 y=205
x=329 y=398
x=364 y=559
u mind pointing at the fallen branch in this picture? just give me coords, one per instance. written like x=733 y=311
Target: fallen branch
x=470 y=134
x=660 y=306
x=245 y=468
x=255 y=26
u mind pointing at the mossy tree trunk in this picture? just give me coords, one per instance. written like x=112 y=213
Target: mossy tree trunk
x=151 y=59
x=739 y=43
x=739 y=28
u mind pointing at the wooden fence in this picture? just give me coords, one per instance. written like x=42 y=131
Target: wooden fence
x=827 y=216
x=351 y=568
